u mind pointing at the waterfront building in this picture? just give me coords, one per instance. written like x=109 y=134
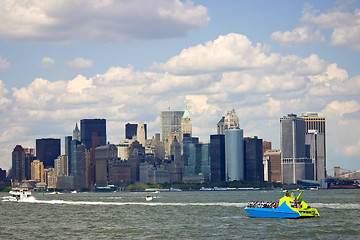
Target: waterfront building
x=234 y=155
x=172 y=135
x=119 y=172
x=18 y=164
x=186 y=125
x=275 y=165
x=267 y=168
x=217 y=157
x=170 y=121
x=295 y=164
x=78 y=163
x=254 y=167
x=229 y=121
x=76 y=133
x=93 y=128
x=47 y=150
x=37 y=171
x=29 y=157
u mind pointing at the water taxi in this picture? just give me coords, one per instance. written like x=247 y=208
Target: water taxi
x=18 y=194
x=289 y=206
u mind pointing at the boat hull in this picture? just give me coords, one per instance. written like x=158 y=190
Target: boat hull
x=283 y=211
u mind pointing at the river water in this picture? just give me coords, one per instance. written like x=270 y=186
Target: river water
x=175 y=215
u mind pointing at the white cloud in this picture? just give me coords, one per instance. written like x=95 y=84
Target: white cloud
x=298 y=36
x=4 y=64
x=47 y=62
x=80 y=63
x=4 y=101
x=67 y=20
x=226 y=53
x=344 y=26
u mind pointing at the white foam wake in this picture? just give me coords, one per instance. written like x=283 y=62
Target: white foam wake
x=336 y=205
x=224 y=204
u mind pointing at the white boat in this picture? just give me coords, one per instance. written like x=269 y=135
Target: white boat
x=148 y=198
x=18 y=194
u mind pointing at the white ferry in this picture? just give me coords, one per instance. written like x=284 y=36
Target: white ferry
x=18 y=194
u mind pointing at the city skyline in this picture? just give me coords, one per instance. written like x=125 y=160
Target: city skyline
x=265 y=62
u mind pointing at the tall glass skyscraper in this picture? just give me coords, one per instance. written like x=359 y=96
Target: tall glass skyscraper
x=90 y=128
x=47 y=150
x=170 y=121
x=295 y=164
x=234 y=154
x=217 y=157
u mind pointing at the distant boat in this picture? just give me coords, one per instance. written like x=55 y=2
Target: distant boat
x=148 y=198
x=108 y=188
x=18 y=194
x=175 y=190
x=74 y=191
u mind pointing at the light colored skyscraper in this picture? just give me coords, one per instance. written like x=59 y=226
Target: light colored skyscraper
x=61 y=165
x=295 y=164
x=141 y=133
x=234 y=154
x=318 y=123
x=229 y=121
x=170 y=121
x=186 y=125
x=37 y=171
x=76 y=133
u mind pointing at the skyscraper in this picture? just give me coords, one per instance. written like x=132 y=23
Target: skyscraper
x=76 y=133
x=318 y=123
x=37 y=171
x=67 y=148
x=47 y=150
x=186 y=125
x=234 y=154
x=254 y=167
x=229 y=121
x=18 y=164
x=93 y=128
x=295 y=164
x=170 y=121
x=78 y=163
x=137 y=131
x=217 y=157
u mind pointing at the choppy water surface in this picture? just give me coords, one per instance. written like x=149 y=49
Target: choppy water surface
x=175 y=215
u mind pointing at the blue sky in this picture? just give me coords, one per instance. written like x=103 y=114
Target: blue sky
x=128 y=60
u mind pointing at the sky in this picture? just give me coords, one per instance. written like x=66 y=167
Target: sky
x=125 y=61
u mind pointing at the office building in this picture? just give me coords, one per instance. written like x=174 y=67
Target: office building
x=47 y=150
x=170 y=121
x=186 y=125
x=234 y=155
x=316 y=141
x=275 y=165
x=18 y=164
x=103 y=155
x=229 y=121
x=217 y=157
x=314 y=122
x=37 y=171
x=67 y=148
x=78 y=163
x=61 y=166
x=199 y=159
x=92 y=129
x=295 y=164
x=254 y=167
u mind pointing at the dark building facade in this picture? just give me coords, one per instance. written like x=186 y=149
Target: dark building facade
x=67 y=148
x=18 y=163
x=217 y=157
x=254 y=167
x=90 y=128
x=47 y=150
x=78 y=164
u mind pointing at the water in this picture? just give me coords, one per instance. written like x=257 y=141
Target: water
x=175 y=215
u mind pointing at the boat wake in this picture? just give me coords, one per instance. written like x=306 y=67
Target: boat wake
x=224 y=204
x=336 y=205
